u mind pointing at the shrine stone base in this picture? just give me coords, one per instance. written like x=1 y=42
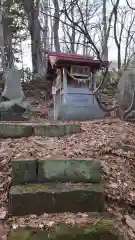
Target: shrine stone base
x=75 y=112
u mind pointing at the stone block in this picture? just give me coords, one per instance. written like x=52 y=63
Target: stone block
x=55 y=130
x=72 y=128
x=55 y=198
x=48 y=130
x=24 y=171
x=15 y=130
x=11 y=116
x=69 y=171
x=104 y=229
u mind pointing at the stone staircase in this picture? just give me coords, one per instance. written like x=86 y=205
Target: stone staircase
x=59 y=186
x=65 y=186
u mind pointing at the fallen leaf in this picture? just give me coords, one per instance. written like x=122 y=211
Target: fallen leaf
x=130 y=222
x=3 y=214
x=15 y=226
x=131 y=234
x=50 y=224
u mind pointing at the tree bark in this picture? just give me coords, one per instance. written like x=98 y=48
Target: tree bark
x=56 y=25
x=32 y=10
x=73 y=28
x=105 y=39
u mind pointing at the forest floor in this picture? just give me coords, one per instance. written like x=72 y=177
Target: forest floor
x=109 y=140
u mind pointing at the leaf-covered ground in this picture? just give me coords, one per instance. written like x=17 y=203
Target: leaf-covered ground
x=109 y=140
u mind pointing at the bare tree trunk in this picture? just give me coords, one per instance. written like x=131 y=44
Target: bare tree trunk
x=56 y=26
x=73 y=29
x=8 y=36
x=2 y=55
x=33 y=43
x=129 y=38
x=34 y=29
x=8 y=51
x=119 y=56
x=85 y=47
x=116 y=38
x=105 y=39
x=51 y=23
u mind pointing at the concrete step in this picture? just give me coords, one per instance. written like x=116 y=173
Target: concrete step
x=55 y=170
x=97 y=227
x=55 y=198
x=131 y=120
x=55 y=130
x=24 y=129
x=15 y=130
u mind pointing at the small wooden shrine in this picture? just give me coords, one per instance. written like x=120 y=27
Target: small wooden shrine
x=73 y=84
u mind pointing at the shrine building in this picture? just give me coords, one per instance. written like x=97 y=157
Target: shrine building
x=73 y=83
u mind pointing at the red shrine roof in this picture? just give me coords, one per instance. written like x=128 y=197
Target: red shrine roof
x=62 y=59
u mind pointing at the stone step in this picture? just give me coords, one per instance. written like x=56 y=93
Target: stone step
x=55 y=198
x=96 y=228
x=55 y=170
x=55 y=130
x=132 y=120
x=21 y=129
x=15 y=130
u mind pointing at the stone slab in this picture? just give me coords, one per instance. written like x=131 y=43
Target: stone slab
x=104 y=229
x=30 y=171
x=72 y=128
x=24 y=171
x=69 y=171
x=13 y=88
x=55 y=198
x=11 y=116
x=49 y=130
x=21 y=129
x=15 y=130
x=56 y=130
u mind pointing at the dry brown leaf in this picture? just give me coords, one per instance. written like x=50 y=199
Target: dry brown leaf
x=130 y=222
x=131 y=234
x=3 y=214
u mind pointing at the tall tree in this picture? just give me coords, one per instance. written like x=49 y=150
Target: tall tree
x=105 y=37
x=56 y=25
x=32 y=10
x=13 y=23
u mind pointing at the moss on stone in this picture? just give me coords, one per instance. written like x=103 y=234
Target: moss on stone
x=57 y=187
x=101 y=230
x=27 y=234
x=101 y=227
x=52 y=197
x=36 y=187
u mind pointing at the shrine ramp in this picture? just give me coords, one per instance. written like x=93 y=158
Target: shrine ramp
x=73 y=84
